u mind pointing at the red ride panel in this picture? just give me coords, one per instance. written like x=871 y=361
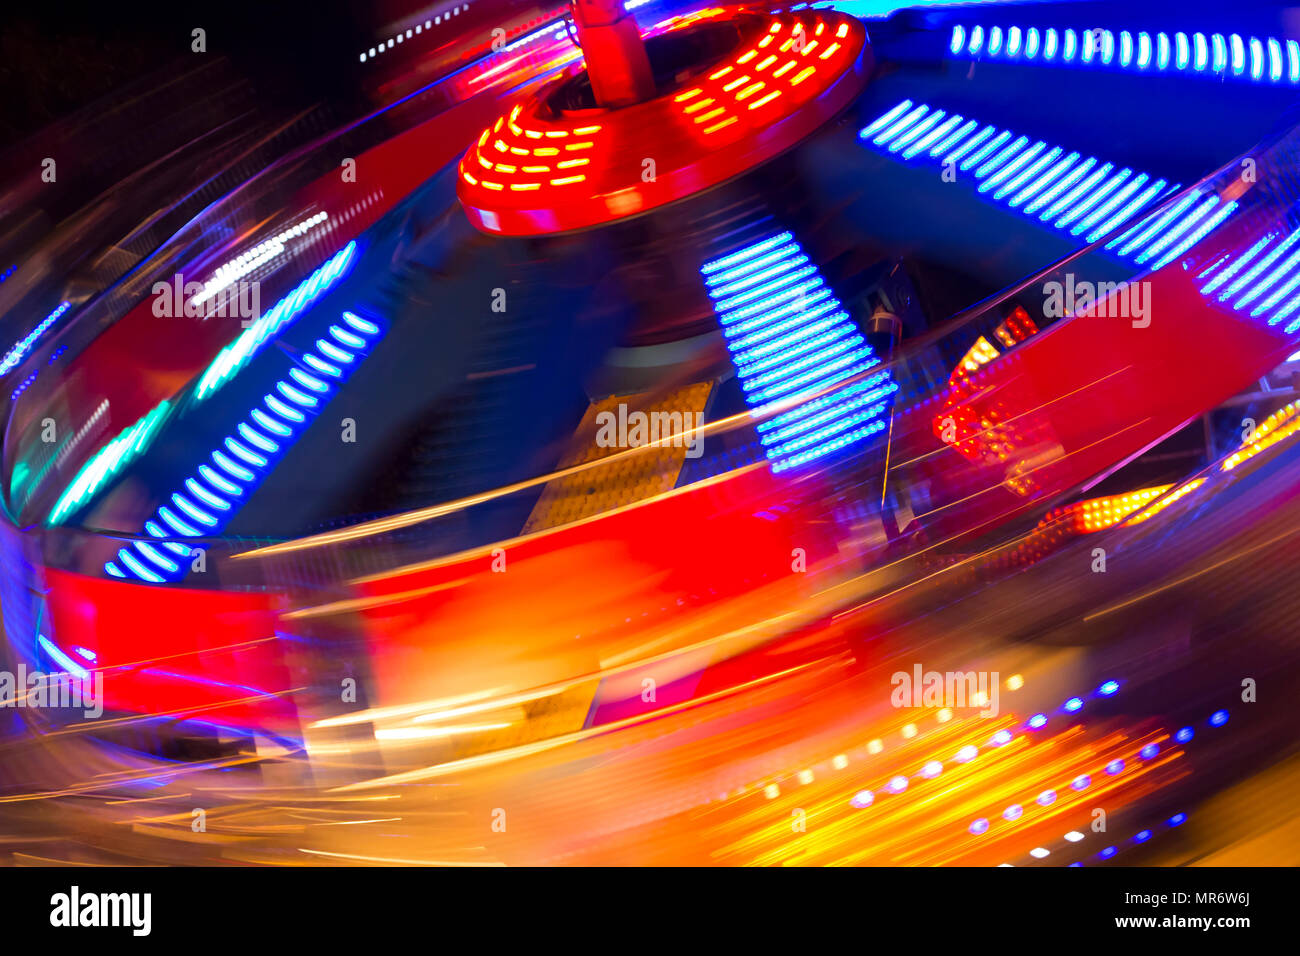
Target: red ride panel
x=209 y=655
x=1080 y=399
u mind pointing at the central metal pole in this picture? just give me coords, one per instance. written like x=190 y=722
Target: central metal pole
x=616 y=59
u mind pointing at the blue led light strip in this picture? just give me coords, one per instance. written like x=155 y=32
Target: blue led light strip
x=109 y=462
x=1262 y=281
x=237 y=354
x=788 y=335
x=1015 y=811
x=25 y=344
x=1073 y=194
x=1218 y=55
x=1142 y=836
x=56 y=654
x=209 y=498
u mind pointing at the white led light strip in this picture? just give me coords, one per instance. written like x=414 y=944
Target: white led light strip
x=410 y=32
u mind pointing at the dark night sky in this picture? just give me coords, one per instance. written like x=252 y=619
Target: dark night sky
x=56 y=57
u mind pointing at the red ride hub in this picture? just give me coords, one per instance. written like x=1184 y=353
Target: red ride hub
x=734 y=88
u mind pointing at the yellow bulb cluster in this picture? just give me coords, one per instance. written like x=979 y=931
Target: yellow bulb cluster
x=1279 y=426
x=1100 y=513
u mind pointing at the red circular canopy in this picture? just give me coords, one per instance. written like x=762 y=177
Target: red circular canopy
x=538 y=170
